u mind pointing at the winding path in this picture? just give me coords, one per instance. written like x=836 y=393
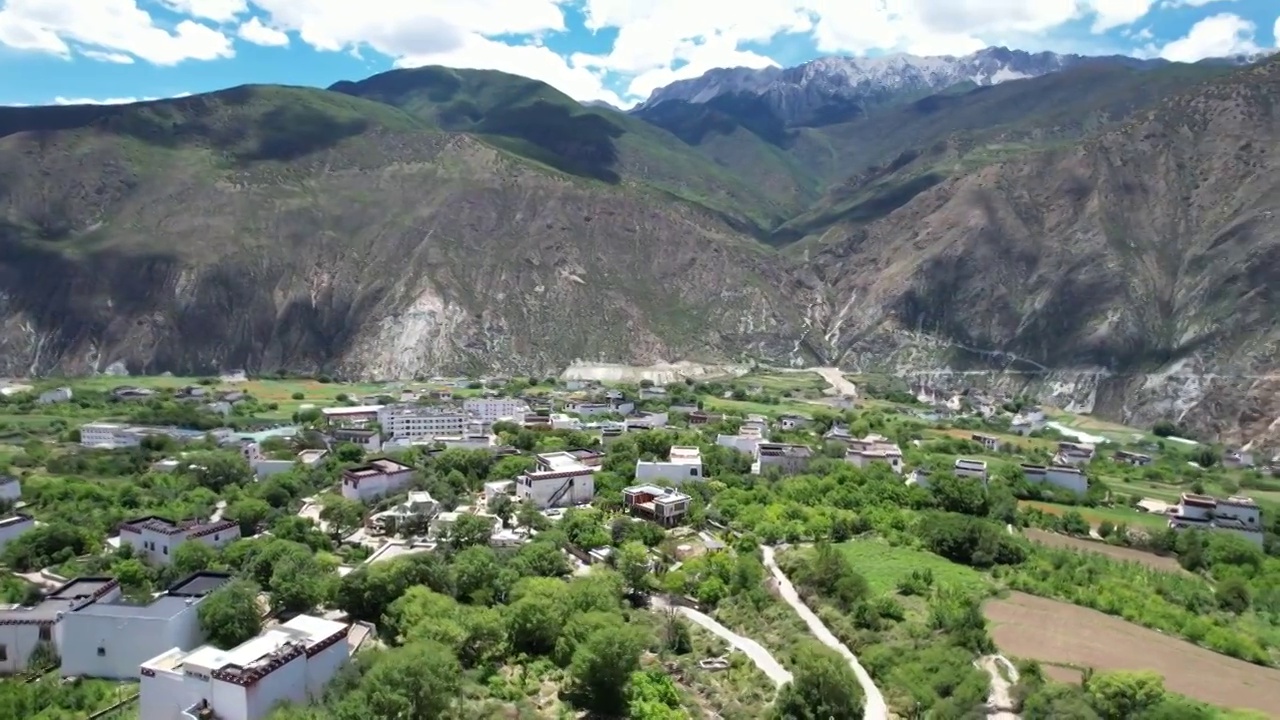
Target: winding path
x=1000 y=701
x=875 y=708
x=752 y=649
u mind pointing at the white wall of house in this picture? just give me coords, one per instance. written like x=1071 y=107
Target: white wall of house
x=1076 y=482
x=376 y=486
x=10 y=489
x=58 y=395
x=113 y=646
x=675 y=473
x=158 y=547
x=745 y=444
x=540 y=488
x=13 y=527
x=264 y=469
x=17 y=642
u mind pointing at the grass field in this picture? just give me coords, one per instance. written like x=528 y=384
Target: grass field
x=807 y=383
x=1095 y=516
x=744 y=407
x=1151 y=560
x=884 y=565
x=1055 y=632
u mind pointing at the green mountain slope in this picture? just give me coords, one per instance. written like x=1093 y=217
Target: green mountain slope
x=532 y=119
x=282 y=227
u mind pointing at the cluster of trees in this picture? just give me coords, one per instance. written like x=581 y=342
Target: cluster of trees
x=1120 y=695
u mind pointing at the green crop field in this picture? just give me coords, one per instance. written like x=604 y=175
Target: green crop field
x=884 y=565
x=1097 y=515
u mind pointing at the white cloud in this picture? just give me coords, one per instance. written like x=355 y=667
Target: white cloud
x=215 y=10
x=258 y=34
x=1216 y=36
x=110 y=57
x=107 y=26
x=1191 y=3
x=60 y=100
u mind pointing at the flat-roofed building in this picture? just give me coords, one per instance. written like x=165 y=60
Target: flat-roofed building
x=683 y=464
x=375 y=479
x=292 y=662
x=665 y=506
x=561 y=479
x=155 y=537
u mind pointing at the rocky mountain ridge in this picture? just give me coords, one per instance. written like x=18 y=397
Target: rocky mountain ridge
x=1101 y=230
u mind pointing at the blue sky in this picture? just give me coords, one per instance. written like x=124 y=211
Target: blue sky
x=62 y=51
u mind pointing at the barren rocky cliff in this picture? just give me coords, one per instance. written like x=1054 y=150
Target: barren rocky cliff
x=429 y=221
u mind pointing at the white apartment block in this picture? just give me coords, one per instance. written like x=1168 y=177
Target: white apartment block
x=491 y=410
x=560 y=421
x=357 y=416
x=417 y=422
x=873 y=448
x=156 y=538
x=13 y=527
x=10 y=489
x=1066 y=477
x=562 y=479
x=111 y=638
x=682 y=464
x=968 y=468
x=1236 y=514
x=292 y=662
x=108 y=435
x=376 y=479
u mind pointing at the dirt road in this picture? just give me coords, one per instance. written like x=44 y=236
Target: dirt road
x=1000 y=700
x=752 y=649
x=875 y=708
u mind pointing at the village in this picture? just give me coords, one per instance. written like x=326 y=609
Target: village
x=553 y=453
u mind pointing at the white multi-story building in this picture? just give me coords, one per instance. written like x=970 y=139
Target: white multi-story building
x=491 y=410
x=421 y=421
x=111 y=637
x=560 y=421
x=13 y=527
x=966 y=467
x=156 y=538
x=562 y=479
x=108 y=435
x=1066 y=477
x=790 y=459
x=873 y=448
x=376 y=479
x=25 y=628
x=1236 y=514
x=588 y=409
x=682 y=464
x=292 y=662
x=10 y=489
x=357 y=416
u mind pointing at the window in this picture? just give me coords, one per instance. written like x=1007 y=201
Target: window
x=46 y=633
x=166 y=549
x=102 y=652
x=693 y=472
x=215 y=537
x=4 y=653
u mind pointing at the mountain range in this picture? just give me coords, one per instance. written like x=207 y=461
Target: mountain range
x=1098 y=231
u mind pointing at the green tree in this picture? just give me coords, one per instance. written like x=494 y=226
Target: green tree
x=1123 y=694
x=824 y=688
x=503 y=507
x=249 y=513
x=420 y=680
x=297 y=583
x=1233 y=594
x=469 y=531
x=218 y=470
x=193 y=556
x=534 y=624
x=602 y=666
x=230 y=614
x=632 y=561
x=349 y=453
x=343 y=516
